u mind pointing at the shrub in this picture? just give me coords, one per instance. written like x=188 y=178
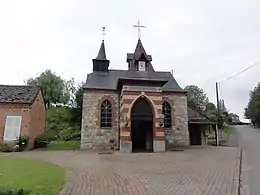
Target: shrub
x=21 y=143
x=13 y=192
x=41 y=141
x=7 y=147
x=67 y=135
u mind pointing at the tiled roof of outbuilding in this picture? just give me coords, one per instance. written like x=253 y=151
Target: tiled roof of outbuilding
x=195 y=117
x=24 y=94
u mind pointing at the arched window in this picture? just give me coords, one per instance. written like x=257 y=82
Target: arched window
x=167 y=120
x=106 y=114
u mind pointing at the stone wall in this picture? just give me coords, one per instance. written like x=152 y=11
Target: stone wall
x=92 y=135
x=96 y=138
x=178 y=134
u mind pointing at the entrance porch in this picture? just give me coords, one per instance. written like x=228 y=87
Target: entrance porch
x=144 y=132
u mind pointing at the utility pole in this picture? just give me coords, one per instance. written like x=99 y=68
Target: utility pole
x=216 y=132
x=217 y=97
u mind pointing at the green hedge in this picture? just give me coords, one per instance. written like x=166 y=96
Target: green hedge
x=13 y=192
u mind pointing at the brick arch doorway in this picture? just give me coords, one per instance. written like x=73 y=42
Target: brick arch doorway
x=142 y=126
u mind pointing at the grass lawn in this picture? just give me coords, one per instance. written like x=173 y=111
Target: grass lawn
x=63 y=145
x=38 y=177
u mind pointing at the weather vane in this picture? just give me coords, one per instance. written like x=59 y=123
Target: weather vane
x=103 y=32
x=139 y=26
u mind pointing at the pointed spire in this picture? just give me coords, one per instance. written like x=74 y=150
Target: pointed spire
x=102 y=52
x=139 y=50
x=100 y=63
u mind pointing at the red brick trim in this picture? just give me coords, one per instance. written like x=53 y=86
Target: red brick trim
x=102 y=91
x=153 y=93
x=131 y=93
x=124 y=111
x=157 y=102
x=159 y=138
x=174 y=93
x=127 y=101
x=125 y=129
x=159 y=111
x=147 y=93
x=159 y=129
x=125 y=138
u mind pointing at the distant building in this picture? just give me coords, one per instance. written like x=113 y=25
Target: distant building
x=234 y=118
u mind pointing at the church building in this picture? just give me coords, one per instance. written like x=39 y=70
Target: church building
x=138 y=109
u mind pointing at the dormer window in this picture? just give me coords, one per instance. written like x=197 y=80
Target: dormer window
x=141 y=66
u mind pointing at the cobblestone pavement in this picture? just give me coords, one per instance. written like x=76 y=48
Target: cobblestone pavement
x=194 y=171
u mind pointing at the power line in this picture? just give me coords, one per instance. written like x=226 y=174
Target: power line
x=242 y=71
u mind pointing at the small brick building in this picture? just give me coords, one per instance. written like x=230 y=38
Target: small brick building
x=22 y=112
x=135 y=109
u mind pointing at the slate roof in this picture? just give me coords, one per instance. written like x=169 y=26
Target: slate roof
x=109 y=79
x=139 y=50
x=195 y=117
x=102 y=52
x=23 y=94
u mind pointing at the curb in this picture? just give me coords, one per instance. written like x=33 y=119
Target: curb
x=244 y=188
x=236 y=177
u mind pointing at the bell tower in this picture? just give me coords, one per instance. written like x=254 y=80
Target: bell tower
x=100 y=63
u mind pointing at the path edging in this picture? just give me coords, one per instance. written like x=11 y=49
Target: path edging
x=236 y=178
x=244 y=188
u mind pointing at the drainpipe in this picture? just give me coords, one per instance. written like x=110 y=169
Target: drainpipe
x=118 y=123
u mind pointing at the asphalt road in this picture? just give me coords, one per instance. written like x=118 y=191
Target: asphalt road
x=249 y=140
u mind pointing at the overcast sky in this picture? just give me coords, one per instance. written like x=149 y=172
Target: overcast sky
x=202 y=41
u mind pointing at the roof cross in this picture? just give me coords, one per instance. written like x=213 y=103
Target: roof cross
x=139 y=26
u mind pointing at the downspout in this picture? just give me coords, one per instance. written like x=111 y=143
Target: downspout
x=118 y=122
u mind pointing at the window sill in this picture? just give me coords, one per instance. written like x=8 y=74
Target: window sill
x=105 y=128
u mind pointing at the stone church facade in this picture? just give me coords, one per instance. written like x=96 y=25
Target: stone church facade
x=135 y=109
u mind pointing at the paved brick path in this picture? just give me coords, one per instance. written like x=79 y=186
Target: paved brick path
x=195 y=171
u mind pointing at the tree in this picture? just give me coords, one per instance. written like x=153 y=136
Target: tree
x=252 y=111
x=211 y=112
x=210 y=106
x=76 y=110
x=55 y=89
x=196 y=97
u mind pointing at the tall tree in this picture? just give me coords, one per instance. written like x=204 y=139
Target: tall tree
x=54 y=88
x=252 y=111
x=196 y=98
x=210 y=107
x=211 y=112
